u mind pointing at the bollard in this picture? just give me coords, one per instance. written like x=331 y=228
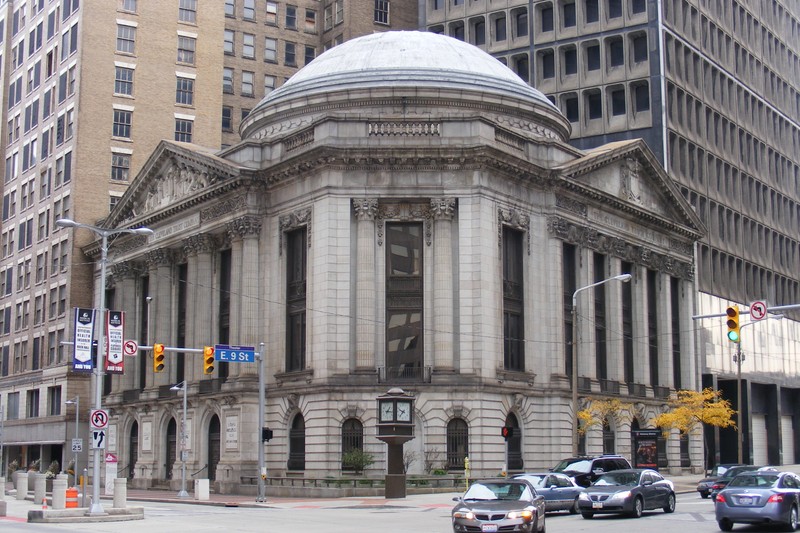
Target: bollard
x=71 y=499
x=201 y=489
x=39 y=488
x=2 y=488
x=120 y=492
x=22 y=485
x=60 y=493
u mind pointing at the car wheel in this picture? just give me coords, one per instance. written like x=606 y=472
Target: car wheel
x=670 y=507
x=587 y=515
x=704 y=495
x=638 y=507
x=575 y=509
x=791 y=525
x=725 y=524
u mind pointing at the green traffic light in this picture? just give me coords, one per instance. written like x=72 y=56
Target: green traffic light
x=733 y=336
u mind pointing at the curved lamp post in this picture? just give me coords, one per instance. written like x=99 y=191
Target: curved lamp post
x=105 y=233
x=621 y=277
x=182 y=386
x=76 y=401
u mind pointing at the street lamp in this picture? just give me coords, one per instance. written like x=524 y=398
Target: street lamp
x=621 y=277
x=105 y=233
x=738 y=357
x=76 y=401
x=182 y=386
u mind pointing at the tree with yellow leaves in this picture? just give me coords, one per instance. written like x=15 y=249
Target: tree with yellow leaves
x=692 y=409
x=598 y=411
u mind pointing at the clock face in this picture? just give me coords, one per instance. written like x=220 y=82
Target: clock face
x=387 y=411
x=404 y=411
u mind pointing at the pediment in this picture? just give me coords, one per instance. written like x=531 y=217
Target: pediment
x=626 y=176
x=174 y=173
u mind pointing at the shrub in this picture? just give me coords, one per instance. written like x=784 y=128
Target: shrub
x=357 y=459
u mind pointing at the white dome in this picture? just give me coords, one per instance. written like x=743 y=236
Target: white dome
x=405 y=59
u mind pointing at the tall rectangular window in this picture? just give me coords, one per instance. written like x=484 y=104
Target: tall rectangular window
x=513 y=300
x=569 y=282
x=270 y=50
x=600 y=325
x=186 y=49
x=183 y=130
x=568 y=12
x=126 y=39
x=310 y=53
x=227 y=118
x=382 y=11
x=123 y=81
x=614 y=9
x=249 y=10
x=272 y=13
x=122 y=123
x=652 y=325
x=248 y=82
x=404 y=301
x=230 y=8
x=296 y=258
x=289 y=56
x=627 y=327
x=184 y=91
x=187 y=11
x=675 y=311
x=12 y=400
x=500 y=29
x=248 y=46
x=129 y=6
x=120 y=166
x=53 y=400
x=291 y=17
x=592 y=10
x=33 y=403
x=228 y=42
x=227 y=80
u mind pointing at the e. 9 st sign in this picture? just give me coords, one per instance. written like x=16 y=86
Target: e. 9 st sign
x=235 y=354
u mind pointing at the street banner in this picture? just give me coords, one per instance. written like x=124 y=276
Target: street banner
x=114 y=342
x=84 y=335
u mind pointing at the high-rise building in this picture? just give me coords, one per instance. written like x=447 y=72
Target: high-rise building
x=89 y=88
x=713 y=88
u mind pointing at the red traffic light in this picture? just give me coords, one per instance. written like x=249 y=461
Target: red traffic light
x=507 y=432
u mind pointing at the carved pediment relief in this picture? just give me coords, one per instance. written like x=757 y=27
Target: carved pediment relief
x=178 y=181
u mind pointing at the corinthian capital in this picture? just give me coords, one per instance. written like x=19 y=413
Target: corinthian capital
x=244 y=226
x=365 y=208
x=443 y=208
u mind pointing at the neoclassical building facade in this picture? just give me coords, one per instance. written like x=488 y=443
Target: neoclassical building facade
x=403 y=212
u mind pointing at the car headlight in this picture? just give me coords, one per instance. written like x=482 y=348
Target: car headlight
x=464 y=513
x=583 y=496
x=621 y=495
x=525 y=514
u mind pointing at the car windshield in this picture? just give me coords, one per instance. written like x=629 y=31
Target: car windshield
x=754 y=479
x=574 y=465
x=718 y=470
x=618 y=478
x=535 y=480
x=498 y=491
x=732 y=472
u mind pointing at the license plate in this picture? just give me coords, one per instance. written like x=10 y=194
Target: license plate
x=746 y=500
x=597 y=505
x=489 y=528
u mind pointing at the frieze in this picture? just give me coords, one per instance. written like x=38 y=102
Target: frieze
x=607 y=244
x=178 y=181
x=223 y=208
x=571 y=205
x=292 y=221
x=405 y=212
x=285 y=126
x=443 y=208
x=127 y=270
x=129 y=244
x=365 y=208
x=159 y=257
x=509 y=139
x=405 y=129
x=299 y=139
x=244 y=226
x=514 y=219
x=529 y=126
x=201 y=243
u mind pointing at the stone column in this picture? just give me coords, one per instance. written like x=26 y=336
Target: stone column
x=366 y=323
x=664 y=311
x=641 y=349
x=443 y=210
x=124 y=275
x=245 y=297
x=585 y=311
x=614 y=337
x=159 y=262
x=199 y=299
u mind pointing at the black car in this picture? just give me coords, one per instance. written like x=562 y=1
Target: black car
x=705 y=485
x=586 y=469
x=729 y=474
x=629 y=492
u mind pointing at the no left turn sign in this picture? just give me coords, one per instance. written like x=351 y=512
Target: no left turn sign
x=758 y=310
x=130 y=347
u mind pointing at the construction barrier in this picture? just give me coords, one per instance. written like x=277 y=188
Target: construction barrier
x=72 y=498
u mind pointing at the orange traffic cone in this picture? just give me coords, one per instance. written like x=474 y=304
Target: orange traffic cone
x=44 y=504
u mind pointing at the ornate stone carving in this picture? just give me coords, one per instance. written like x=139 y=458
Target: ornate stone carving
x=299 y=139
x=365 y=208
x=129 y=244
x=405 y=212
x=177 y=182
x=572 y=205
x=249 y=225
x=509 y=139
x=126 y=270
x=629 y=180
x=223 y=208
x=159 y=257
x=514 y=219
x=443 y=208
x=405 y=129
x=526 y=125
x=202 y=243
x=293 y=221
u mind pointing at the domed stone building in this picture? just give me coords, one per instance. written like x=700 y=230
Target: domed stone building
x=403 y=212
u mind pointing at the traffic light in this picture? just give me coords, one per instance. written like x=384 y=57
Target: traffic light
x=266 y=434
x=507 y=432
x=158 y=358
x=208 y=359
x=733 y=323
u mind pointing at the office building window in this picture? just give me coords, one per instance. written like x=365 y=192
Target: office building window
x=289 y=58
x=521 y=23
x=641 y=97
x=53 y=399
x=120 y=166
x=639 y=44
x=248 y=46
x=592 y=10
x=616 y=56
x=272 y=13
x=479 y=32
x=230 y=8
x=338 y=6
x=568 y=12
x=186 y=48
x=248 y=82
x=291 y=17
x=187 y=11
x=184 y=91
x=122 y=123
x=249 y=10
x=270 y=50
x=547 y=19
x=382 y=11
x=12 y=400
x=310 y=53
x=570 y=106
x=638 y=6
x=594 y=105
x=593 y=57
x=113 y=200
x=227 y=80
x=269 y=84
x=183 y=130
x=570 y=61
x=126 y=39
x=227 y=118
x=548 y=64
x=123 y=81
x=228 y=40
x=33 y=402
x=311 y=21
x=618 y=101
x=128 y=5
x=614 y=9
x=500 y=29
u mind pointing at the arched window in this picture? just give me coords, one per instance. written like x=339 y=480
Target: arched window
x=457 y=443
x=514 y=445
x=608 y=437
x=214 y=448
x=133 y=449
x=297 y=444
x=352 y=439
x=172 y=441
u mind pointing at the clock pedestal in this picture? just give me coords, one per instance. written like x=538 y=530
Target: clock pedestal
x=395 y=428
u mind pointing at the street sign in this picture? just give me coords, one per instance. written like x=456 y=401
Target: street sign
x=111 y=458
x=234 y=354
x=77 y=445
x=98 y=439
x=130 y=347
x=99 y=418
x=758 y=310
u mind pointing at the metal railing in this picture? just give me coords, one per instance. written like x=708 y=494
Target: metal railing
x=406 y=374
x=609 y=386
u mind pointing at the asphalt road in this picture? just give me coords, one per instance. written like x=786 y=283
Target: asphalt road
x=424 y=514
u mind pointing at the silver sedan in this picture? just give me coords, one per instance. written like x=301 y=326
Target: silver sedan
x=759 y=497
x=559 y=490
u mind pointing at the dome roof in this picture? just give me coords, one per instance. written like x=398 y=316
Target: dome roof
x=410 y=59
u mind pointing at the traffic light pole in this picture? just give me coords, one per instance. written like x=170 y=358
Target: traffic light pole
x=262 y=393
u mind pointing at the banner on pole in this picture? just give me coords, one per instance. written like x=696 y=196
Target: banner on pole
x=115 y=364
x=84 y=335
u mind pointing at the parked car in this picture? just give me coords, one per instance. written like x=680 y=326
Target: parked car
x=759 y=497
x=559 y=490
x=705 y=484
x=491 y=505
x=630 y=491
x=730 y=474
x=586 y=469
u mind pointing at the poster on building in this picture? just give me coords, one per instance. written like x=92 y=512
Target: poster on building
x=115 y=322
x=84 y=335
x=232 y=432
x=645 y=444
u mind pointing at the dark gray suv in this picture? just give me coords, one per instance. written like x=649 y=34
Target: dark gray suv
x=586 y=469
